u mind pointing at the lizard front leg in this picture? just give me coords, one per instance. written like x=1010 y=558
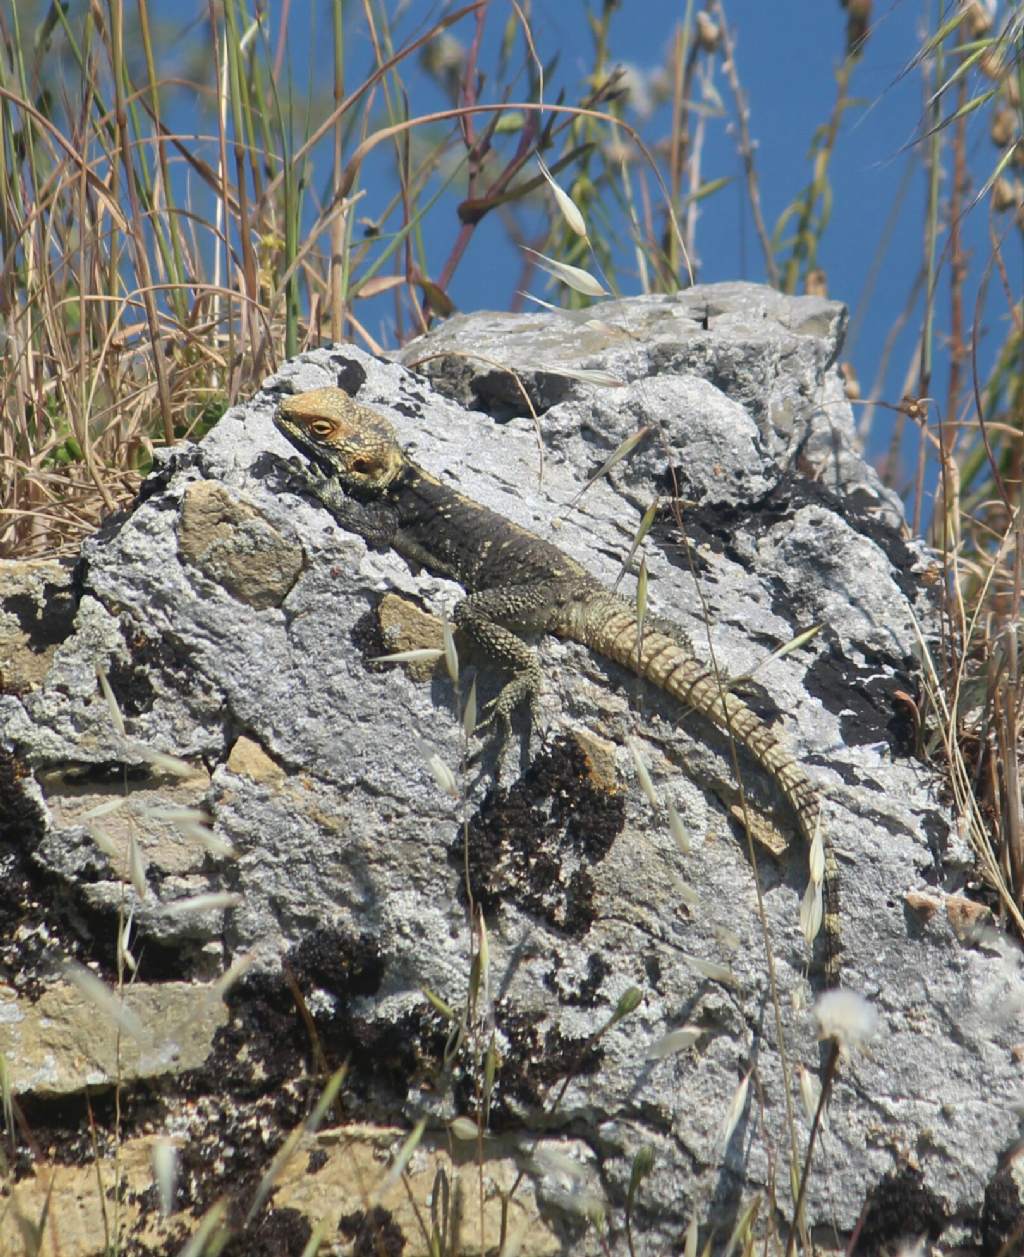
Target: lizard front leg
x=375 y=522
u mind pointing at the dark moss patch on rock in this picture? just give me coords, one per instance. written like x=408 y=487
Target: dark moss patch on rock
x=536 y=1059
x=44 y=918
x=533 y=845
x=901 y=1207
x=338 y=962
x=1002 y=1216
x=372 y=1233
x=275 y=1233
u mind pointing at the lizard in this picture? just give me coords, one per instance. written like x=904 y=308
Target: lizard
x=515 y=583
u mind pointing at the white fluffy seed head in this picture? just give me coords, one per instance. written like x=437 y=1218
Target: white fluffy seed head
x=846 y=1017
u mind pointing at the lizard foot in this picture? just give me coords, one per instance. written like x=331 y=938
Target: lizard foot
x=495 y=724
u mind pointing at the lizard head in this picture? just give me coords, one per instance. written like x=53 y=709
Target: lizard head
x=346 y=439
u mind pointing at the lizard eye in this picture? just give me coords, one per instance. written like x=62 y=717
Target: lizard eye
x=321 y=427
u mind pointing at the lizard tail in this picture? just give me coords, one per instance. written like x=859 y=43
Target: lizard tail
x=615 y=633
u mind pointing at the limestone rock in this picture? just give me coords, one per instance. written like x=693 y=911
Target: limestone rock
x=255 y=791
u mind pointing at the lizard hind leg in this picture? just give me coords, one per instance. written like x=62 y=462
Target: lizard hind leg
x=509 y=651
x=493 y=620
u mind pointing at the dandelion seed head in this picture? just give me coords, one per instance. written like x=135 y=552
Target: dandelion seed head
x=846 y=1017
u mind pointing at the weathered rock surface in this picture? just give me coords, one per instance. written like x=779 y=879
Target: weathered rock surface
x=236 y=625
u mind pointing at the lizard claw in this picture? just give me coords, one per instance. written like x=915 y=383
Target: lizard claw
x=295 y=474
x=495 y=725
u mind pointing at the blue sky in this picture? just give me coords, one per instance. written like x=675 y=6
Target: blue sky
x=787 y=53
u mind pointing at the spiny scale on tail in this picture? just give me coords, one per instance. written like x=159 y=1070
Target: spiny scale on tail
x=610 y=627
x=518 y=582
